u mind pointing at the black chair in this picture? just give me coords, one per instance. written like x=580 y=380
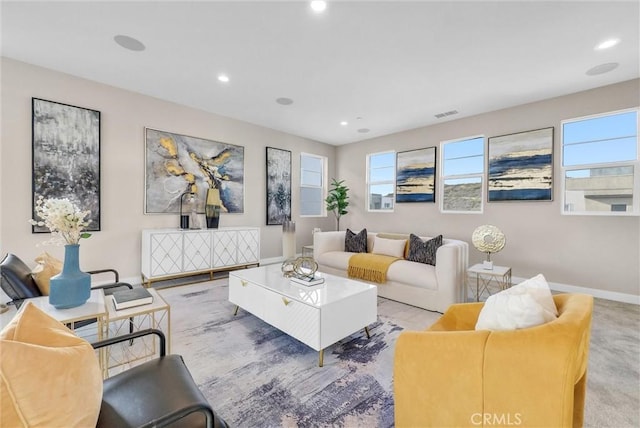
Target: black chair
x=156 y=393
x=16 y=281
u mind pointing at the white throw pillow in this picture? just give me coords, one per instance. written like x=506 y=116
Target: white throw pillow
x=527 y=304
x=389 y=247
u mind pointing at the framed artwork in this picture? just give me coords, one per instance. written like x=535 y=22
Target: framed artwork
x=521 y=166
x=176 y=163
x=278 y=185
x=66 y=157
x=416 y=175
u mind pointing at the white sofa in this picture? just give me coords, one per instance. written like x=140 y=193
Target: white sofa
x=430 y=287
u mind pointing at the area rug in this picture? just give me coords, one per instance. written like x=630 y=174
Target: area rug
x=256 y=376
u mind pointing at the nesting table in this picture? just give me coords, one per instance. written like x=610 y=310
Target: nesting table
x=499 y=277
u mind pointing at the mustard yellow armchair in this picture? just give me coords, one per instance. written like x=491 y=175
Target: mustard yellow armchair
x=454 y=376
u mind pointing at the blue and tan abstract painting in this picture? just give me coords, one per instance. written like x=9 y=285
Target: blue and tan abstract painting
x=521 y=166
x=416 y=175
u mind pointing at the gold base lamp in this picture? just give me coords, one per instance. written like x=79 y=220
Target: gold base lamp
x=488 y=239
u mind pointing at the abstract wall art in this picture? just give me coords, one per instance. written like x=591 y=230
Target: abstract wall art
x=176 y=163
x=278 y=185
x=416 y=175
x=521 y=166
x=66 y=157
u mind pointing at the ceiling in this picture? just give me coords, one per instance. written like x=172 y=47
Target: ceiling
x=384 y=66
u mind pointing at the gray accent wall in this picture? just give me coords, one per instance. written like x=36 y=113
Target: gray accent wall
x=597 y=252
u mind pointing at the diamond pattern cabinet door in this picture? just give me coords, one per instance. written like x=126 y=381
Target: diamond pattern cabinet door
x=166 y=253
x=248 y=246
x=225 y=248
x=197 y=251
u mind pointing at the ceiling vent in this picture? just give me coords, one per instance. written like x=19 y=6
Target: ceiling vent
x=446 y=113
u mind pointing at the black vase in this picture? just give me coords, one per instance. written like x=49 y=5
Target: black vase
x=212 y=215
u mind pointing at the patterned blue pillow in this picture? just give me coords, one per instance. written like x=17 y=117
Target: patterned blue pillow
x=423 y=251
x=355 y=243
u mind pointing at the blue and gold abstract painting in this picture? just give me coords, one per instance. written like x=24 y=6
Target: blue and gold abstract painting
x=416 y=175
x=521 y=166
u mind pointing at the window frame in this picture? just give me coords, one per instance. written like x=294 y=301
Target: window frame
x=392 y=182
x=323 y=187
x=635 y=164
x=482 y=175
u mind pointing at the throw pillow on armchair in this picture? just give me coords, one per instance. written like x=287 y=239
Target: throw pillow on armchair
x=47 y=266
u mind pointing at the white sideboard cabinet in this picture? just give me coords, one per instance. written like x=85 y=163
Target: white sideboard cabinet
x=172 y=253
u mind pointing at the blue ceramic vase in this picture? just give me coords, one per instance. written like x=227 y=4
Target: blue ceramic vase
x=71 y=287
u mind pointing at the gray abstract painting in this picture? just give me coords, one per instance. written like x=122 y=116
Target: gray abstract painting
x=278 y=185
x=66 y=157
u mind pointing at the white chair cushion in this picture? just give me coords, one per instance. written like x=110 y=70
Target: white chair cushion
x=527 y=304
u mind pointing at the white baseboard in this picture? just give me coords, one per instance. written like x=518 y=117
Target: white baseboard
x=602 y=294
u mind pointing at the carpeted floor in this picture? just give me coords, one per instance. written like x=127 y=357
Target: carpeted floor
x=256 y=376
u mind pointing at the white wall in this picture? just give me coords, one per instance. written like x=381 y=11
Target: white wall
x=585 y=251
x=124 y=115
x=596 y=252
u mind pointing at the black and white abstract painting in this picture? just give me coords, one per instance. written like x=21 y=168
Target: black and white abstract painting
x=175 y=164
x=521 y=166
x=278 y=185
x=66 y=157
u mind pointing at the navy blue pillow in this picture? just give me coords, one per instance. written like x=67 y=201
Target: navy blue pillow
x=423 y=252
x=355 y=242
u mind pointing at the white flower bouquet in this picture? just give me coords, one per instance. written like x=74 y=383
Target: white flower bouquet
x=63 y=218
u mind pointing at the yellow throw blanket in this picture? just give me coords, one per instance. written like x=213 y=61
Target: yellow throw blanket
x=370 y=267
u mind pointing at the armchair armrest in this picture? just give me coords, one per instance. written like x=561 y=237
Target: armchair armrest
x=134 y=335
x=99 y=271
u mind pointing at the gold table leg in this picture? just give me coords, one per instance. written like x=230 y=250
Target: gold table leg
x=321 y=358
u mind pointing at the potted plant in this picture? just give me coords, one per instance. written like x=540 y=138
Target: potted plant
x=337 y=200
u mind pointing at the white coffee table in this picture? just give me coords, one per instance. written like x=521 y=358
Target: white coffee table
x=318 y=316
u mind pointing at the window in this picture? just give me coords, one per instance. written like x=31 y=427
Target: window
x=462 y=176
x=600 y=168
x=312 y=185
x=381 y=181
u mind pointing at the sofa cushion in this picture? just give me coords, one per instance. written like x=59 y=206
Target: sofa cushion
x=335 y=260
x=355 y=242
x=423 y=251
x=402 y=236
x=527 y=304
x=50 y=377
x=388 y=247
x=411 y=273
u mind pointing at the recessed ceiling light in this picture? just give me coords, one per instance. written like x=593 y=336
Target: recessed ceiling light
x=363 y=130
x=223 y=78
x=284 y=101
x=318 y=6
x=602 y=68
x=129 y=43
x=344 y=123
x=607 y=44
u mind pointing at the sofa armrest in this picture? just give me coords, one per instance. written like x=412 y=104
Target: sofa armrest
x=324 y=242
x=432 y=368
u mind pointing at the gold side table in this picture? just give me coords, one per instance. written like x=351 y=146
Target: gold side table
x=498 y=277
x=155 y=315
